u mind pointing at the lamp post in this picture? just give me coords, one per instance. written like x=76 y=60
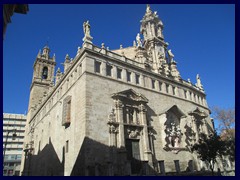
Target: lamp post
x=27 y=152
x=14 y=135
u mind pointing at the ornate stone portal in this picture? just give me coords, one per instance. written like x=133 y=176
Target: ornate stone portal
x=128 y=124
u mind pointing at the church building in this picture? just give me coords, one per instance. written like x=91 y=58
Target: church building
x=114 y=112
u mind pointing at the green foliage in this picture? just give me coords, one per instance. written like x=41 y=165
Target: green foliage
x=209 y=148
x=230 y=148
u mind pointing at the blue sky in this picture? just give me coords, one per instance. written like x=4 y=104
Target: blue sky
x=202 y=38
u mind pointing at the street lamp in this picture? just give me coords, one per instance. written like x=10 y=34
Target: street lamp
x=14 y=135
x=27 y=150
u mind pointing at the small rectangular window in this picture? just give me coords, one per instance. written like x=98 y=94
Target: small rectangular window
x=153 y=84
x=97 y=66
x=66 y=117
x=167 y=86
x=177 y=165
x=119 y=73
x=174 y=89
x=160 y=86
x=162 y=167
x=67 y=146
x=109 y=70
x=80 y=68
x=185 y=94
x=137 y=79
x=190 y=96
x=128 y=76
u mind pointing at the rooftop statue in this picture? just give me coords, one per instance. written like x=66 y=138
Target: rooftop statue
x=199 y=84
x=171 y=55
x=139 y=42
x=86 y=28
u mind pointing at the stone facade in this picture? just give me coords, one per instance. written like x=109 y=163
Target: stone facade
x=121 y=112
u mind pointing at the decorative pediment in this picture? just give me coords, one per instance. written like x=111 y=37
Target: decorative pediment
x=131 y=95
x=197 y=112
x=175 y=110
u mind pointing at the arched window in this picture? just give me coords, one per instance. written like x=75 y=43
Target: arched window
x=45 y=73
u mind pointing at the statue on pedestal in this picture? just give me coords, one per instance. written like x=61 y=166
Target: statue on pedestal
x=199 y=84
x=86 y=30
x=139 y=42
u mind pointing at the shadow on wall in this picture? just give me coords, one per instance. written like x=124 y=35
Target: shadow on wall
x=97 y=159
x=45 y=163
x=94 y=159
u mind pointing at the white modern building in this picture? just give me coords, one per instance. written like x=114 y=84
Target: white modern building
x=13 y=137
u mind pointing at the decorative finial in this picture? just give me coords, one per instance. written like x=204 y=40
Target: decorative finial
x=103 y=46
x=121 y=46
x=148 y=10
x=189 y=81
x=108 y=48
x=67 y=56
x=134 y=43
x=39 y=53
x=54 y=56
x=58 y=70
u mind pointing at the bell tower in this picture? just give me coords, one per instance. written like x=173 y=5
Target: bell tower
x=43 y=77
x=153 y=39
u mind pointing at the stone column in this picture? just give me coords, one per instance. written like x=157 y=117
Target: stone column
x=135 y=116
x=124 y=75
x=157 y=85
x=111 y=128
x=195 y=128
x=103 y=68
x=196 y=98
x=114 y=72
x=39 y=71
x=146 y=150
x=204 y=102
x=142 y=80
x=200 y=100
x=170 y=89
x=176 y=91
x=133 y=78
x=164 y=87
x=192 y=97
x=119 y=112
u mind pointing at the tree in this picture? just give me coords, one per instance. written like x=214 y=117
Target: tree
x=209 y=148
x=226 y=120
x=226 y=126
